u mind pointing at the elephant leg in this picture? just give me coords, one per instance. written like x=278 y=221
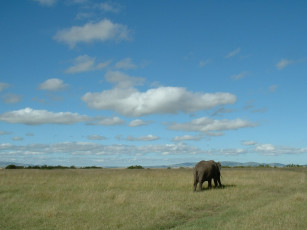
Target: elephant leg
x=200 y=185
x=209 y=184
x=219 y=181
x=215 y=182
x=195 y=184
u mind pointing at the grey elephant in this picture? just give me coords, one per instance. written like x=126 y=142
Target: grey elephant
x=206 y=171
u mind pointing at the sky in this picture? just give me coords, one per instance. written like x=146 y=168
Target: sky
x=119 y=83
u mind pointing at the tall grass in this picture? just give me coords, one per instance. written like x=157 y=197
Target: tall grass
x=152 y=199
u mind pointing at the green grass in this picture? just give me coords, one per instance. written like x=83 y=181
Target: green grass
x=152 y=199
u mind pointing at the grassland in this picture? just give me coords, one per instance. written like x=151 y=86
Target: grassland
x=152 y=199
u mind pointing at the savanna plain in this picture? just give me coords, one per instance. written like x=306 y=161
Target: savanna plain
x=252 y=198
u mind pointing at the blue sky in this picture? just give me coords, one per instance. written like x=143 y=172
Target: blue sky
x=119 y=83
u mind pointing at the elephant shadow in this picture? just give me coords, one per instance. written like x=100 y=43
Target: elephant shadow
x=224 y=186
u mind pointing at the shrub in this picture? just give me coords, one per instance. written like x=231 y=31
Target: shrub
x=14 y=167
x=135 y=167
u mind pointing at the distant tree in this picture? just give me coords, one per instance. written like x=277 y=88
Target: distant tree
x=135 y=167
x=14 y=167
x=293 y=166
x=91 y=167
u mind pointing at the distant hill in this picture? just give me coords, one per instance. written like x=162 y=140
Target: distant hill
x=231 y=164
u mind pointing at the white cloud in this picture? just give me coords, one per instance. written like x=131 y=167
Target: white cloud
x=149 y=137
x=3 y=86
x=17 y=138
x=85 y=63
x=102 y=31
x=265 y=147
x=221 y=110
x=11 y=98
x=204 y=62
x=138 y=122
x=84 y=151
x=272 y=150
x=78 y=1
x=53 y=84
x=122 y=80
x=125 y=64
x=260 y=110
x=206 y=125
x=46 y=2
x=248 y=143
x=4 y=133
x=108 y=7
x=233 y=53
x=187 y=138
x=273 y=88
x=110 y=121
x=162 y=100
x=84 y=15
x=96 y=137
x=239 y=76
x=283 y=63
x=30 y=116
x=89 y=148
x=230 y=151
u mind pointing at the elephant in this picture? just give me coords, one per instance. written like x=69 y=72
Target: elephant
x=206 y=171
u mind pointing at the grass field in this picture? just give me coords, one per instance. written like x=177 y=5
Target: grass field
x=253 y=198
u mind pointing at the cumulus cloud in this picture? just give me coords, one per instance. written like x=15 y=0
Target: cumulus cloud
x=11 y=98
x=248 y=143
x=3 y=86
x=17 y=138
x=4 y=133
x=207 y=125
x=30 y=116
x=272 y=150
x=273 y=88
x=96 y=137
x=187 y=138
x=162 y=100
x=53 y=84
x=89 y=148
x=119 y=153
x=203 y=63
x=85 y=63
x=125 y=64
x=221 y=110
x=239 y=76
x=95 y=10
x=283 y=63
x=122 y=80
x=138 y=122
x=229 y=151
x=233 y=53
x=46 y=2
x=110 y=121
x=101 y=31
x=108 y=7
x=149 y=137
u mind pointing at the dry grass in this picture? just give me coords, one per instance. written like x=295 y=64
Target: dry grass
x=152 y=199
